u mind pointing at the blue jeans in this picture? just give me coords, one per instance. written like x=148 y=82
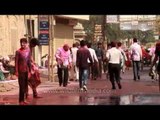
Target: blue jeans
x=83 y=77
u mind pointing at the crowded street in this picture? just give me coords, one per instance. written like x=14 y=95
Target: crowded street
x=80 y=60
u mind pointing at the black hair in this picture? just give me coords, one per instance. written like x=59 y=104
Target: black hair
x=74 y=45
x=99 y=43
x=119 y=44
x=113 y=44
x=134 y=39
x=34 y=41
x=82 y=43
x=89 y=44
x=23 y=40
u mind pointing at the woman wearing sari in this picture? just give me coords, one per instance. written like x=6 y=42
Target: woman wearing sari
x=34 y=79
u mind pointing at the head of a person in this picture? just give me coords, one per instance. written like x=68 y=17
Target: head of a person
x=113 y=44
x=158 y=45
x=66 y=47
x=158 y=48
x=89 y=44
x=33 y=42
x=77 y=44
x=119 y=44
x=23 y=43
x=74 y=45
x=99 y=44
x=135 y=40
x=108 y=45
x=82 y=43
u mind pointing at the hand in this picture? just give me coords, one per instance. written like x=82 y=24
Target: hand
x=16 y=73
x=29 y=75
x=61 y=59
x=69 y=66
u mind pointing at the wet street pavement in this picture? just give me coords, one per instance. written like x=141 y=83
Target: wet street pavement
x=141 y=92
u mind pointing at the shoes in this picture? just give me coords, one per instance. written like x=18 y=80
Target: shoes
x=138 y=77
x=85 y=87
x=134 y=79
x=23 y=103
x=28 y=99
x=37 y=96
x=71 y=80
x=119 y=86
x=65 y=85
x=113 y=88
x=81 y=89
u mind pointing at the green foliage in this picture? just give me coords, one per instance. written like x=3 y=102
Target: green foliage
x=113 y=32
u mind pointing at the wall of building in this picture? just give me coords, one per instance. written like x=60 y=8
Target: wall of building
x=12 y=28
x=63 y=34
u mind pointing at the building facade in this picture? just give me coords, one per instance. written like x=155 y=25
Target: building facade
x=14 y=27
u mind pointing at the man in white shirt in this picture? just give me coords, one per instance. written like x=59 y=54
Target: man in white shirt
x=114 y=58
x=74 y=69
x=119 y=46
x=136 y=56
x=95 y=62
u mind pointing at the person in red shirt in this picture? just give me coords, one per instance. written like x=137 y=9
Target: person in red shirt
x=128 y=62
x=145 y=57
x=23 y=69
x=83 y=55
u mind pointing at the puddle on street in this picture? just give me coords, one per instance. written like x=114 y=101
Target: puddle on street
x=133 y=99
x=137 y=99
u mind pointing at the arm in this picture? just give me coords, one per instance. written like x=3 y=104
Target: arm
x=141 y=55
x=95 y=56
x=121 y=58
x=102 y=53
x=90 y=58
x=107 y=55
x=77 y=60
x=70 y=60
x=70 y=57
x=16 y=63
x=154 y=61
x=30 y=61
x=58 y=54
x=125 y=57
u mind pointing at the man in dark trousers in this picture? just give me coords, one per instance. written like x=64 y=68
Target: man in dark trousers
x=63 y=57
x=114 y=58
x=23 y=69
x=83 y=55
x=136 y=56
x=99 y=53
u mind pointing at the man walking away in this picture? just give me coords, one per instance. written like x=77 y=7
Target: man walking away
x=114 y=58
x=136 y=56
x=83 y=55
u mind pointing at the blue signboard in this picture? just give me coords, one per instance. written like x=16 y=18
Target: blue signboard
x=43 y=30
x=44 y=25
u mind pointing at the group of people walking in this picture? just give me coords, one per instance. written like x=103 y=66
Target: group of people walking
x=82 y=61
